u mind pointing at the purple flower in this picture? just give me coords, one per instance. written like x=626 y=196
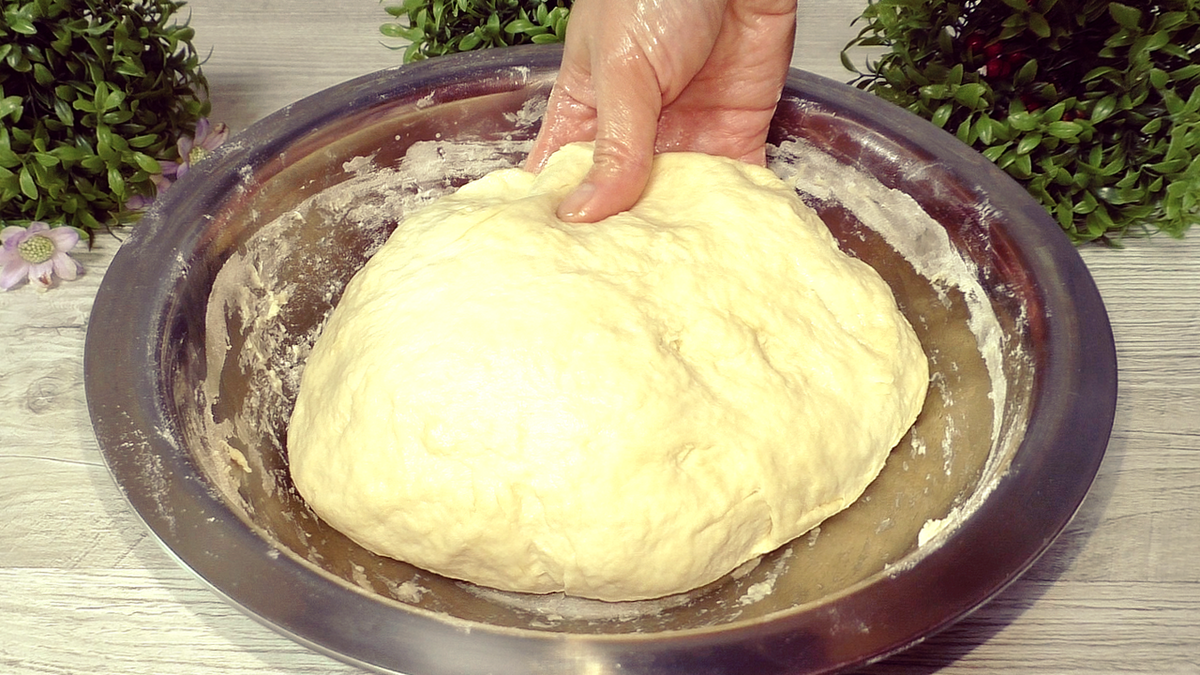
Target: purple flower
x=138 y=202
x=192 y=150
x=37 y=252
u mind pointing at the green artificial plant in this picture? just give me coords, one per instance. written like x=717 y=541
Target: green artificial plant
x=93 y=93
x=439 y=27
x=1092 y=105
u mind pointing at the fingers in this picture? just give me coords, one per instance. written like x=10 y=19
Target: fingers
x=728 y=106
x=700 y=75
x=639 y=61
x=606 y=92
x=568 y=118
x=571 y=111
x=625 y=131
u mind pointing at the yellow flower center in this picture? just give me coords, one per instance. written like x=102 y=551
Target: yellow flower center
x=36 y=249
x=198 y=153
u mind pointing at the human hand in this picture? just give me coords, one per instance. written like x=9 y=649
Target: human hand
x=646 y=76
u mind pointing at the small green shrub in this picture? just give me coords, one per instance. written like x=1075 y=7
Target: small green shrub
x=93 y=93
x=438 y=27
x=1092 y=105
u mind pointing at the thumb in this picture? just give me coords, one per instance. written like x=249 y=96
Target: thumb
x=613 y=185
x=628 y=104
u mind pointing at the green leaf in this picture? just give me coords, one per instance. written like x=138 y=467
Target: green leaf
x=146 y=163
x=1103 y=109
x=1024 y=121
x=116 y=182
x=1066 y=130
x=1186 y=73
x=1159 y=78
x=1128 y=17
x=67 y=153
x=1028 y=144
x=985 y=130
x=28 y=188
x=1086 y=205
x=117 y=117
x=20 y=24
x=1064 y=213
x=942 y=115
x=8 y=158
x=1169 y=20
x=143 y=141
x=395 y=30
x=521 y=26
x=1149 y=43
x=470 y=42
x=965 y=130
x=936 y=92
x=62 y=110
x=955 y=75
x=1021 y=167
x=1027 y=73
x=994 y=152
x=1100 y=72
x=42 y=75
x=971 y=95
x=1039 y=25
x=10 y=105
x=112 y=100
x=131 y=68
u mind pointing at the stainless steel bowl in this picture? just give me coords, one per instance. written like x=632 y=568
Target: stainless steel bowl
x=176 y=425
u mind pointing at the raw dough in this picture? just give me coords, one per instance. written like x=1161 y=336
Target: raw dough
x=621 y=410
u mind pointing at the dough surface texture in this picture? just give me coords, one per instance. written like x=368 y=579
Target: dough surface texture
x=622 y=410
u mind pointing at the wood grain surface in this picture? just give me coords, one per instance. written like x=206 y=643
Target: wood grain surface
x=84 y=589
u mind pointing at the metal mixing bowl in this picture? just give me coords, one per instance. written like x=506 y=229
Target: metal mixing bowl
x=192 y=420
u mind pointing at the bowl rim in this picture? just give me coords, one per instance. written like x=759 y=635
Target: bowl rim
x=129 y=405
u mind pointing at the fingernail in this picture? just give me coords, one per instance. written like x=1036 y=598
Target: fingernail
x=574 y=205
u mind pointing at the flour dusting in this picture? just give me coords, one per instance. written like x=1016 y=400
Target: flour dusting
x=272 y=296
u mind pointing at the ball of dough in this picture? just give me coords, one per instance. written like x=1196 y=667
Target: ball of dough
x=620 y=410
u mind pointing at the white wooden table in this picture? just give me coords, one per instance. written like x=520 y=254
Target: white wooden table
x=83 y=589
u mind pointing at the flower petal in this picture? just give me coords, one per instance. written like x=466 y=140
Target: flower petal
x=14 y=271
x=216 y=137
x=64 y=238
x=202 y=126
x=65 y=266
x=184 y=146
x=11 y=231
x=138 y=202
x=37 y=226
x=42 y=273
x=161 y=182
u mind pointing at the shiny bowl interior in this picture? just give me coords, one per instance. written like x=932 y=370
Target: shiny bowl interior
x=191 y=411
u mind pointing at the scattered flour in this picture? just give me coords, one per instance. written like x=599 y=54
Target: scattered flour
x=258 y=329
